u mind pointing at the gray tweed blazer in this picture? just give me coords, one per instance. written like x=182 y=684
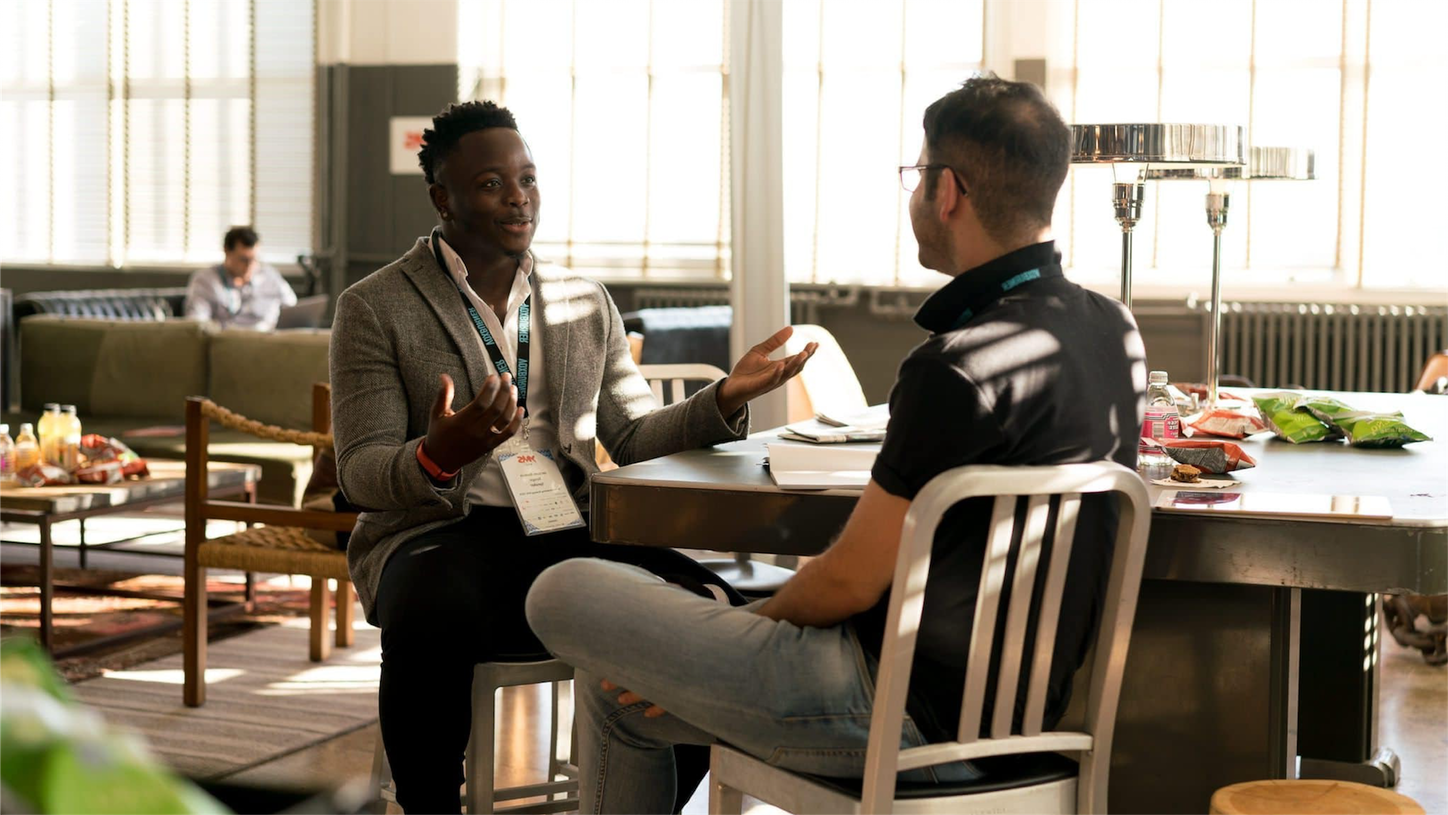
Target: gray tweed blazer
x=401 y=326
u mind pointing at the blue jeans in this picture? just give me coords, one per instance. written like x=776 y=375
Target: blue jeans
x=798 y=698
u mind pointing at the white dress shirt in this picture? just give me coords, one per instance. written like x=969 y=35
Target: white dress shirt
x=489 y=489
x=256 y=304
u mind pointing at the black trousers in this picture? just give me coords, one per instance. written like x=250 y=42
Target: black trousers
x=452 y=598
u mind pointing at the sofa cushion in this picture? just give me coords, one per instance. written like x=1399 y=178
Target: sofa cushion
x=269 y=376
x=112 y=368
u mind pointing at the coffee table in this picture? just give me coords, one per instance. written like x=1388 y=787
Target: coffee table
x=47 y=506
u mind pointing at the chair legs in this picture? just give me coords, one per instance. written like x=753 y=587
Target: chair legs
x=321 y=615
x=193 y=635
x=725 y=800
x=346 y=598
x=478 y=765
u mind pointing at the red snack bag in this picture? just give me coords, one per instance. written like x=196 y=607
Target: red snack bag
x=1216 y=457
x=42 y=474
x=97 y=448
x=1228 y=424
x=100 y=472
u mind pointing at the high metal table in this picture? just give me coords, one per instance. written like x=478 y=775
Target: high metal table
x=1255 y=641
x=47 y=506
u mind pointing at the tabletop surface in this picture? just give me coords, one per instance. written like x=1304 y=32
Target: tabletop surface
x=167 y=480
x=1414 y=478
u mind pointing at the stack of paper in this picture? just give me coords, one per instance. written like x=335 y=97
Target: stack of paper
x=835 y=429
x=812 y=467
x=874 y=418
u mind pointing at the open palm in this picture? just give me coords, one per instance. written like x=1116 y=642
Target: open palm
x=755 y=374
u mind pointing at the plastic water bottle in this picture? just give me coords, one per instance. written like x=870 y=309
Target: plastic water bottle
x=49 y=430
x=27 y=448
x=7 y=456
x=1162 y=422
x=69 y=444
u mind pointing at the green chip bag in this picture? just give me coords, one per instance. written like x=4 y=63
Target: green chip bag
x=1327 y=410
x=1279 y=411
x=1379 y=430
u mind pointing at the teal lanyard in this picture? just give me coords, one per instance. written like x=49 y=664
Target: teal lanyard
x=525 y=322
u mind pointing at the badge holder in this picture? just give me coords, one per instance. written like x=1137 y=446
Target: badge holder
x=540 y=495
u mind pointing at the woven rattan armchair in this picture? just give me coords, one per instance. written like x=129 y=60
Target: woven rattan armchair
x=280 y=546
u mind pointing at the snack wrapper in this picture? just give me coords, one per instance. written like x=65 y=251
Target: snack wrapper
x=1279 y=411
x=1215 y=457
x=1228 y=424
x=97 y=449
x=1379 y=430
x=101 y=472
x=42 y=474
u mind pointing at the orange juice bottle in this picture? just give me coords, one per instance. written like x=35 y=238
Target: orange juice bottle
x=27 y=449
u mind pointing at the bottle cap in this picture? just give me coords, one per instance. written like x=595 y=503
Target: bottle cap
x=49 y=406
x=1156 y=377
x=71 y=408
x=4 y=429
x=26 y=427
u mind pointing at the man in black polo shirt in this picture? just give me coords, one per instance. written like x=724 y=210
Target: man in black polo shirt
x=1022 y=367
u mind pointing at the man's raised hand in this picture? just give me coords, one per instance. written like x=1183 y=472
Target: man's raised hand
x=458 y=438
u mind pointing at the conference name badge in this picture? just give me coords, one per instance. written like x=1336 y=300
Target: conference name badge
x=539 y=492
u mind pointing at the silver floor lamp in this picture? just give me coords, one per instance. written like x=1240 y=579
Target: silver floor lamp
x=1264 y=164
x=1173 y=147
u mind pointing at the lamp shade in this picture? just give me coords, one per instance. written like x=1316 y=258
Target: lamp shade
x=1195 y=144
x=1264 y=164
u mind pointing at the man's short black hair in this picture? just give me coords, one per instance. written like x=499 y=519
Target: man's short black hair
x=244 y=235
x=451 y=125
x=1009 y=145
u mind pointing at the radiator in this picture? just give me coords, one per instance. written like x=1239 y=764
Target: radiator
x=804 y=304
x=680 y=298
x=1331 y=347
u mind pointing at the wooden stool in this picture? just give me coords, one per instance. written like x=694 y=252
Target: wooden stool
x=1309 y=797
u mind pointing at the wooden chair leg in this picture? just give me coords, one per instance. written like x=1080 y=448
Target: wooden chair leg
x=346 y=597
x=193 y=636
x=321 y=614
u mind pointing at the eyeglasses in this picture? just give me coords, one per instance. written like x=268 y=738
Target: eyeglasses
x=910 y=176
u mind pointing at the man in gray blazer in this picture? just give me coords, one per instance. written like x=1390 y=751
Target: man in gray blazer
x=442 y=363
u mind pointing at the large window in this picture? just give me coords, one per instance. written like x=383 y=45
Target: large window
x=858 y=77
x=624 y=104
x=1357 y=80
x=138 y=131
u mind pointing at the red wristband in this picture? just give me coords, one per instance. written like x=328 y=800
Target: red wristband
x=430 y=467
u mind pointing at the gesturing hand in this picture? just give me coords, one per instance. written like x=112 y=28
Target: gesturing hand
x=755 y=374
x=628 y=697
x=455 y=439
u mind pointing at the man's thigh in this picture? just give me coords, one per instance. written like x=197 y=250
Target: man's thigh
x=801 y=696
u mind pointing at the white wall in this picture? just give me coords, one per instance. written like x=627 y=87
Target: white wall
x=387 y=32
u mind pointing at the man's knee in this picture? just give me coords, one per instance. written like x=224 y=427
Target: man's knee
x=553 y=600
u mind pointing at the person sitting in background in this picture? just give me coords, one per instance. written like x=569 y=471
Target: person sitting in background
x=1022 y=367
x=240 y=291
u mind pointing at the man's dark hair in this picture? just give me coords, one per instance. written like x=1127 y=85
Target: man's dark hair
x=244 y=235
x=449 y=127
x=1010 y=146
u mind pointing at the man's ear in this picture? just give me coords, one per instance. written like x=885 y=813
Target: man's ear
x=948 y=199
x=438 y=194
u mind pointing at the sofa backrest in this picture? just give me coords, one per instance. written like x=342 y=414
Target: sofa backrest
x=268 y=376
x=108 y=304
x=119 y=368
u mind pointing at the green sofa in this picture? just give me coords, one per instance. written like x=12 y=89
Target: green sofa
x=126 y=375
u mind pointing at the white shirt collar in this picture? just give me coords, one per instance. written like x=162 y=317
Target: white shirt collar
x=459 y=272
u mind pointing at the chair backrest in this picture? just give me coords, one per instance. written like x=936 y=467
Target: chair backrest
x=1434 y=378
x=200 y=507
x=828 y=383
x=677 y=375
x=1037 y=486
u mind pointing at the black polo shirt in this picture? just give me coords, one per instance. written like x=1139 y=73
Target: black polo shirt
x=1022 y=367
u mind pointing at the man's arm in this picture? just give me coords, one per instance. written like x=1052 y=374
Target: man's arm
x=284 y=289
x=198 y=297
x=853 y=574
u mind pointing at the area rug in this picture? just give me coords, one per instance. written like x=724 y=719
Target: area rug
x=82 y=618
x=264 y=699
